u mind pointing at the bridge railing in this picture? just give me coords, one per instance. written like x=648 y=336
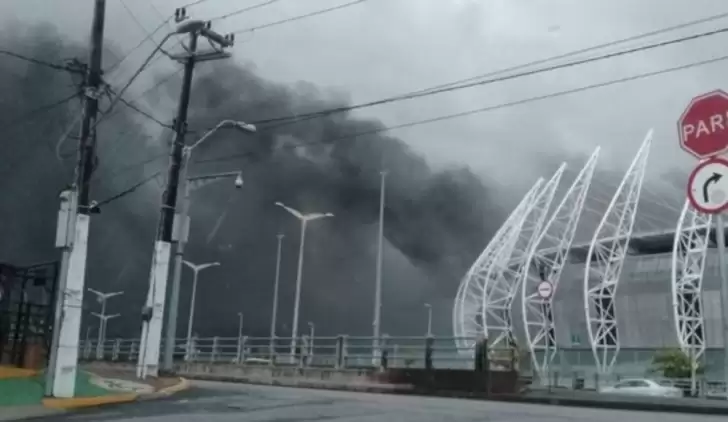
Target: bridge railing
x=335 y=352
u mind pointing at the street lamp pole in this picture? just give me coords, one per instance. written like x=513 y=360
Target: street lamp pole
x=102 y=298
x=187 y=184
x=274 y=316
x=195 y=272
x=378 y=282
x=429 y=319
x=304 y=219
x=311 y=331
x=240 y=325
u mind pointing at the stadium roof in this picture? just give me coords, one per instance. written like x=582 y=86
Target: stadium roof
x=646 y=243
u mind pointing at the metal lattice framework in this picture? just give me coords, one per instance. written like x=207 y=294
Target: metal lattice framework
x=505 y=276
x=692 y=237
x=468 y=322
x=605 y=260
x=545 y=263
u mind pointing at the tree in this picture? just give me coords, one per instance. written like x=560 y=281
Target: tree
x=674 y=363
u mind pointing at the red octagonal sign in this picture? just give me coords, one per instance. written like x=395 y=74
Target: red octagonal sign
x=703 y=126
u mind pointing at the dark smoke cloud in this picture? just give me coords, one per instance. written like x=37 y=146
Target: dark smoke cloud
x=436 y=221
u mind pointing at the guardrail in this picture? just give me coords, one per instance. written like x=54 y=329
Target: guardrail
x=336 y=352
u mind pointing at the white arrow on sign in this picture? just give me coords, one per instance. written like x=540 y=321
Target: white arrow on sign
x=708 y=186
x=545 y=289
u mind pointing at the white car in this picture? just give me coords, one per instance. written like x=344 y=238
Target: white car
x=642 y=387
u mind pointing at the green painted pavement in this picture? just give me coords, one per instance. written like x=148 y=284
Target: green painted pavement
x=29 y=391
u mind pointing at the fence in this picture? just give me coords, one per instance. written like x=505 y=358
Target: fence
x=340 y=351
x=572 y=368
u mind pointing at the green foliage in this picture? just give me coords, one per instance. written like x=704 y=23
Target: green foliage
x=674 y=363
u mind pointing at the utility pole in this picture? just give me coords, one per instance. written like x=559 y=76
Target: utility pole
x=169 y=231
x=73 y=230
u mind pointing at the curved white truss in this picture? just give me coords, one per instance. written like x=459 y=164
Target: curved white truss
x=504 y=278
x=468 y=320
x=545 y=262
x=690 y=247
x=605 y=260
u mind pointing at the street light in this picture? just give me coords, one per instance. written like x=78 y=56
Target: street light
x=311 y=330
x=304 y=219
x=196 y=271
x=274 y=316
x=240 y=325
x=429 y=319
x=188 y=184
x=103 y=318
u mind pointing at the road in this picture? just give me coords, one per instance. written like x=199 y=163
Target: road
x=216 y=402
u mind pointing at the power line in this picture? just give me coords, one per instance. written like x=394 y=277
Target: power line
x=245 y=9
x=144 y=113
x=127 y=191
x=482 y=109
x=584 y=50
x=300 y=17
x=427 y=93
x=33 y=113
x=64 y=67
x=149 y=36
x=195 y=3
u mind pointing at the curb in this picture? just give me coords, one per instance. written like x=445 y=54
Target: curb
x=648 y=406
x=182 y=385
x=83 y=402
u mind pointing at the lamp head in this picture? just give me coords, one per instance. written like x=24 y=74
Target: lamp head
x=246 y=127
x=239 y=181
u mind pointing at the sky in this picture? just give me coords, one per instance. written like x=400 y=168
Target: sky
x=381 y=48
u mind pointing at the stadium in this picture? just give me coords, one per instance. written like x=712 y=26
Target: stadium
x=621 y=290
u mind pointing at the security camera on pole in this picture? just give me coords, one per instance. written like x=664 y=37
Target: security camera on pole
x=703 y=133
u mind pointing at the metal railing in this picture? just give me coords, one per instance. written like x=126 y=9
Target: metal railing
x=335 y=352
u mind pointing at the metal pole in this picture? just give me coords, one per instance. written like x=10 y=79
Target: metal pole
x=240 y=325
x=173 y=309
x=191 y=313
x=547 y=347
x=378 y=281
x=82 y=183
x=274 y=316
x=720 y=239
x=429 y=321
x=311 y=334
x=297 y=303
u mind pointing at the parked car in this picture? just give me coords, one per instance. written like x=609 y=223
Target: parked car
x=642 y=387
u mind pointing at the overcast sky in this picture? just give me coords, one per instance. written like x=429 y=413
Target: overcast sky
x=386 y=47
x=381 y=48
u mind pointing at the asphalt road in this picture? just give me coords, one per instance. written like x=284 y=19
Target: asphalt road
x=217 y=402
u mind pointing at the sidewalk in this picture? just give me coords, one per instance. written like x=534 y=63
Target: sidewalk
x=23 y=397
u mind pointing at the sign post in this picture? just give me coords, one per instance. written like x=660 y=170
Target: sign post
x=703 y=133
x=545 y=291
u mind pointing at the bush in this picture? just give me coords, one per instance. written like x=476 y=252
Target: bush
x=674 y=364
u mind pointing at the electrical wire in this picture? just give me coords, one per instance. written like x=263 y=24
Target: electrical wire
x=245 y=9
x=144 y=113
x=572 y=53
x=65 y=67
x=39 y=110
x=300 y=17
x=149 y=37
x=482 y=109
x=195 y=3
x=128 y=190
x=306 y=116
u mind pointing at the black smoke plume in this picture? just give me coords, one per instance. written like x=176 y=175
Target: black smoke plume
x=436 y=221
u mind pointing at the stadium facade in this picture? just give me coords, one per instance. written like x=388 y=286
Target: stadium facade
x=618 y=293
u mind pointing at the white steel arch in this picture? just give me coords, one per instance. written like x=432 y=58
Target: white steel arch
x=605 y=261
x=545 y=262
x=468 y=322
x=506 y=274
x=690 y=247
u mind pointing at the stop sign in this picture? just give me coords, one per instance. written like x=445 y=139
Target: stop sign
x=703 y=126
